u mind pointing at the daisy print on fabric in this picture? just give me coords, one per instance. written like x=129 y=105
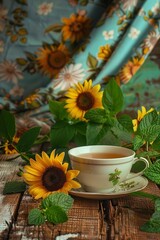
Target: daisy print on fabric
x=108 y=34
x=134 y=32
x=45 y=8
x=9 y=72
x=69 y=76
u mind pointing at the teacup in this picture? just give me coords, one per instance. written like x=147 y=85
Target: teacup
x=102 y=167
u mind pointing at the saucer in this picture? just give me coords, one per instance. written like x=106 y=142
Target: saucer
x=133 y=185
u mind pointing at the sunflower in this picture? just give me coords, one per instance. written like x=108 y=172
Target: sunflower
x=52 y=59
x=140 y=116
x=8 y=148
x=82 y=98
x=76 y=27
x=130 y=69
x=47 y=175
x=105 y=52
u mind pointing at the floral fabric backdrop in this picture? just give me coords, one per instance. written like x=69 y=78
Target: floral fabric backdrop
x=48 y=46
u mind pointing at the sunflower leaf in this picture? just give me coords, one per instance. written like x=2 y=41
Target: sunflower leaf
x=95 y=132
x=36 y=217
x=56 y=215
x=27 y=139
x=58 y=110
x=113 y=97
x=7 y=125
x=96 y=115
x=61 y=134
x=59 y=199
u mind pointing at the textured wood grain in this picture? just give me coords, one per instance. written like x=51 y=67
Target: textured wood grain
x=129 y=213
x=85 y=222
x=8 y=203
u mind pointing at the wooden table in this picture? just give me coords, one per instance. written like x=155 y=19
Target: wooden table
x=116 y=219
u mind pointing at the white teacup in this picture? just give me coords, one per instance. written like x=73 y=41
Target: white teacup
x=102 y=167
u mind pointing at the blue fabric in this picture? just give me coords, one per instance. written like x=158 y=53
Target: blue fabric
x=105 y=39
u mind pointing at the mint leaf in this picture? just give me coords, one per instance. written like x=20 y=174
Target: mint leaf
x=27 y=139
x=153 y=172
x=126 y=122
x=7 y=125
x=138 y=142
x=157 y=204
x=62 y=200
x=36 y=217
x=112 y=99
x=56 y=215
x=153 y=225
x=95 y=132
x=96 y=115
x=14 y=187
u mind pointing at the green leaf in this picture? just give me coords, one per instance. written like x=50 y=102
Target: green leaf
x=126 y=121
x=92 y=61
x=121 y=133
x=95 y=132
x=27 y=139
x=7 y=125
x=96 y=115
x=153 y=225
x=61 y=134
x=153 y=172
x=112 y=97
x=138 y=142
x=157 y=204
x=56 y=215
x=62 y=200
x=36 y=217
x=58 y=110
x=156 y=143
x=14 y=187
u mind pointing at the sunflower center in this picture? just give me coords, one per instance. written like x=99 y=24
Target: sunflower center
x=85 y=101
x=76 y=27
x=53 y=179
x=57 y=59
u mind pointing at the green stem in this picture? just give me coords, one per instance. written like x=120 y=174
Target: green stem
x=147 y=149
x=145 y=195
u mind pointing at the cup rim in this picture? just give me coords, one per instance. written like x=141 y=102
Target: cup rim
x=76 y=151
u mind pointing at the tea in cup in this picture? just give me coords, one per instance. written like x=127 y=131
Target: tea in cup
x=102 y=167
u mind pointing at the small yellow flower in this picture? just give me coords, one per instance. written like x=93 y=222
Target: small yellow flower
x=140 y=116
x=8 y=148
x=105 y=52
x=82 y=98
x=47 y=174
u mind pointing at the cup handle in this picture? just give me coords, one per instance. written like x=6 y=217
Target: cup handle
x=141 y=172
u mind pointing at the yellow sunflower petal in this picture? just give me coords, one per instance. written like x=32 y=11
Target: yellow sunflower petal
x=72 y=174
x=32 y=171
x=29 y=177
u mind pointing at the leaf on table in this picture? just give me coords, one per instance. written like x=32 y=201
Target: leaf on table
x=153 y=172
x=56 y=215
x=36 y=217
x=14 y=187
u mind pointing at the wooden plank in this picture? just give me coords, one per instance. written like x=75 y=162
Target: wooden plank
x=8 y=203
x=129 y=213
x=85 y=222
